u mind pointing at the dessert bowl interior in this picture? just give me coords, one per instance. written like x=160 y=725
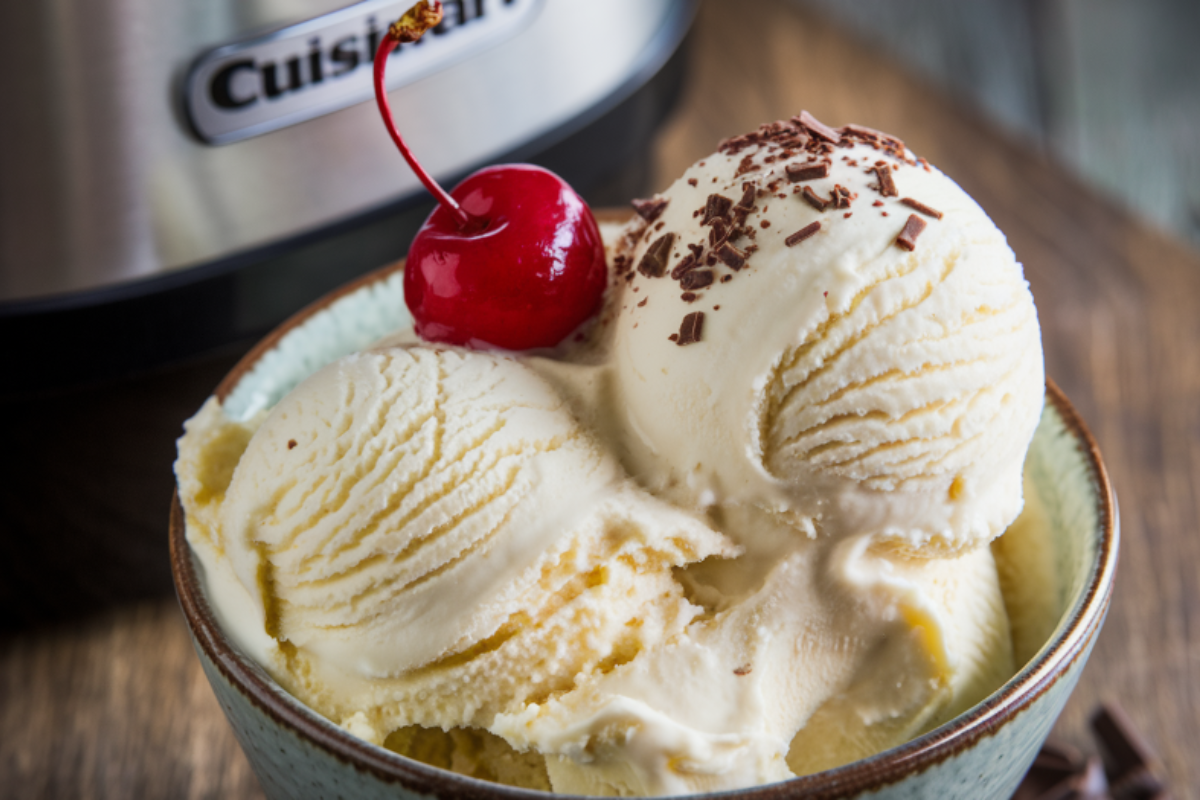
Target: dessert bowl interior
x=982 y=753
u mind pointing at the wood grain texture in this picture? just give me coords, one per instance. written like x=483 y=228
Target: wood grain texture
x=116 y=706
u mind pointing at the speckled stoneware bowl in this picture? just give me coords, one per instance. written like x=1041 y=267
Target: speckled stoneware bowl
x=981 y=754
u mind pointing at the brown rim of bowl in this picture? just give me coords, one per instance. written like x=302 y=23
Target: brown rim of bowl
x=875 y=772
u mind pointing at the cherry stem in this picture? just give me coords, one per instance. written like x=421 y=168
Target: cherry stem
x=391 y=40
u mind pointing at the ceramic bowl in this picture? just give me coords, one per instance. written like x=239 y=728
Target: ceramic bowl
x=981 y=754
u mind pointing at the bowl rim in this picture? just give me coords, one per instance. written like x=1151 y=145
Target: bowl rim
x=875 y=772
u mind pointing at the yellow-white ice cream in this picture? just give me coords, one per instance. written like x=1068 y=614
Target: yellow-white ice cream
x=681 y=557
x=426 y=537
x=850 y=383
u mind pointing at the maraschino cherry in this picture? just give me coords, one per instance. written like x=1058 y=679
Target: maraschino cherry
x=511 y=258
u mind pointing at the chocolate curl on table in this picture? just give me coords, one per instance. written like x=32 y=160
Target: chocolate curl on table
x=1130 y=762
x=1129 y=770
x=1060 y=772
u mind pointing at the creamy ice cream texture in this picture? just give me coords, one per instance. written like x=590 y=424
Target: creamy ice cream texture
x=738 y=534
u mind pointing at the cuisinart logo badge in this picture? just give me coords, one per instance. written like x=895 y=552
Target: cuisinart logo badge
x=306 y=70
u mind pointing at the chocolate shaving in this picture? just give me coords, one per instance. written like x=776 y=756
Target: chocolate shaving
x=719 y=233
x=1060 y=773
x=866 y=134
x=802 y=234
x=744 y=166
x=1129 y=760
x=817 y=128
x=692 y=181
x=841 y=197
x=912 y=229
x=887 y=186
x=644 y=299
x=650 y=208
x=686 y=263
x=291 y=443
x=1058 y=757
x=654 y=262
x=1050 y=772
x=696 y=279
x=807 y=172
x=919 y=206
x=814 y=200
x=883 y=142
x=691 y=329
x=748 y=195
x=717 y=207
x=687 y=297
x=744 y=669
x=787 y=135
x=732 y=257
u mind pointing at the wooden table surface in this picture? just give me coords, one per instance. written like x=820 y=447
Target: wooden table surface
x=115 y=705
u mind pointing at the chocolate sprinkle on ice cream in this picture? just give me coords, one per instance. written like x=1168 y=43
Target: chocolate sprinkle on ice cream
x=696 y=279
x=691 y=329
x=919 y=206
x=841 y=197
x=807 y=172
x=912 y=229
x=688 y=262
x=813 y=199
x=654 y=262
x=887 y=187
x=802 y=234
x=717 y=207
x=818 y=128
x=649 y=209
x=731 y=257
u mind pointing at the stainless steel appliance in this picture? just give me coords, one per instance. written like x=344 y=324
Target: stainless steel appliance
x=179 y=175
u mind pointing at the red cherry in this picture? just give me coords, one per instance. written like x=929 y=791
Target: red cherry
x=526 y=279
x=512 y=258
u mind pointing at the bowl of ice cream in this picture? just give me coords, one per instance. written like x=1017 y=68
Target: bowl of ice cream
x=828 y=535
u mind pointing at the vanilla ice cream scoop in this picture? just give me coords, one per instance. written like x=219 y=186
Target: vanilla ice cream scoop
x=426 y=536
x=817 y=322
